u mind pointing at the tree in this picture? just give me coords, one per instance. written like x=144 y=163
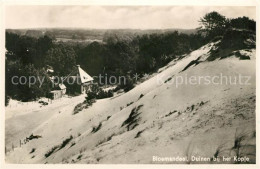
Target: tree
x=213 y=24
x=91 y=58
x=62 y=59
x=23 y=91
x=42 y=46
x=29 y=50
x=243 y=23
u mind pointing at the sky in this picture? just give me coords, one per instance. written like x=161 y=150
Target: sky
x=116 y=17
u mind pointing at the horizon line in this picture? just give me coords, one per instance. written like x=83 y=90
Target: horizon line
x=82 y=28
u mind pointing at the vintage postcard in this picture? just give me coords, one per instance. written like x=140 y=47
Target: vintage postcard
x=154 y=83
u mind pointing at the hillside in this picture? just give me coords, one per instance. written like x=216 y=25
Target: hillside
x=156 y=118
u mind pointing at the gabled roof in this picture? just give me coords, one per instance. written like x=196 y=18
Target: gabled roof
x=81 y=74
x=62 y=86
x=84 y=77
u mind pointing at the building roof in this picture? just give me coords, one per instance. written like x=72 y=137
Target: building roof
x=84 y=77
x=62 y=86
x=55 y=91
x=81 y=74
x=50 y=70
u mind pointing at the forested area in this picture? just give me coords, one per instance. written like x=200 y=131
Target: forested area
x=28 y=56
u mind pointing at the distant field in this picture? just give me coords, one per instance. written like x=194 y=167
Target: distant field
x=78 y=40
x=91 y=35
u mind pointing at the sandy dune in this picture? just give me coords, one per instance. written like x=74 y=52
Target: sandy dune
x=167 y=121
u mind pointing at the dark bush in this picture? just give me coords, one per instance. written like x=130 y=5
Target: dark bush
x=217 y=38
x=95 y=92
x=241 y=57
x=141 y=95
x=51 y=151
x=233 y=40
x=43 y=102
x=33 y=150
x=79 y=107
x=243 y=23
x=91 y=95
x=65 y=142
x=95 y=129
x=127 y=85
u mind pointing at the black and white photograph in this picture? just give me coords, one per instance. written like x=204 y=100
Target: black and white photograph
x=130 y=84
